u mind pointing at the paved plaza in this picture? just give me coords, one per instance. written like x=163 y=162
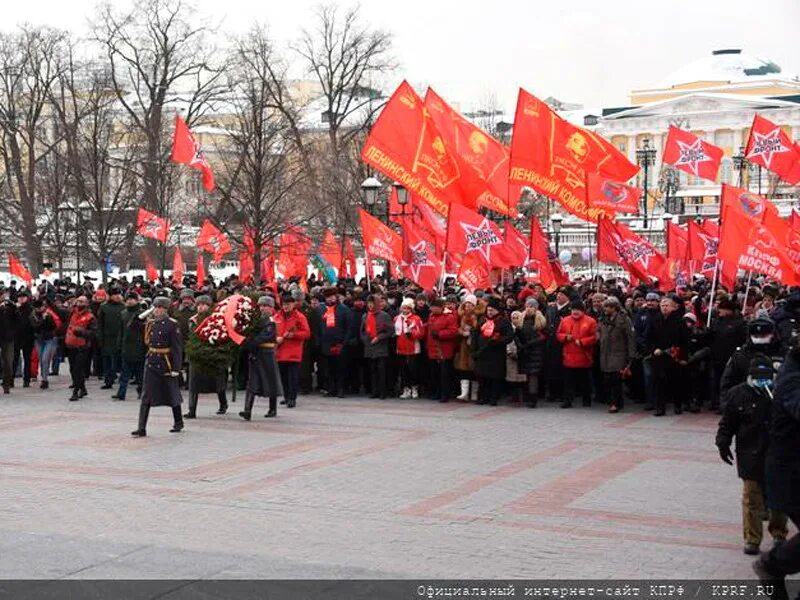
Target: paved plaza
x=359 y=488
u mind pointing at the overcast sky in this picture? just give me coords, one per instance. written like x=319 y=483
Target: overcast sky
x=588 y=51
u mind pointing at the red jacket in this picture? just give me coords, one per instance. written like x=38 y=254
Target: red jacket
x=443 y=345
x=294 y=330
x=578 y=353
x=408 y=345
x=78 y=329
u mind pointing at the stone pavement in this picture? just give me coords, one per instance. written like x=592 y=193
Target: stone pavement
x=359 y=488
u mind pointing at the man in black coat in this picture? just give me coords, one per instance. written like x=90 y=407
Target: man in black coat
x=262 y=379
x=665 y=345
x=162 y=336
x=761 y=341
x=335 y=334
x=727 y=333
x=745 y=418
x=554 y=365
x=9 y=322
x=783 y=473
x=24 y=336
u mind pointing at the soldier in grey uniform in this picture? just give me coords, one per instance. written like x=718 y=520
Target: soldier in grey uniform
x=263 y=370
x=162 y=364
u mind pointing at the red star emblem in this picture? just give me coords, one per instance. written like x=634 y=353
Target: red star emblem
x=634 y=252
x=419 y=259
x=152 y=227
x=481 y=238
x=692 y=155
x=767 y=145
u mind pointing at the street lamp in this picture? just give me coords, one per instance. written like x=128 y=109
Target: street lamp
x=741 y=164
x=556 y=220
x=669 y=183
x=645 y=156
x=370 y=188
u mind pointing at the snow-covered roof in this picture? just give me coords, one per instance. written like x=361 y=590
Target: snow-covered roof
x=722 y=65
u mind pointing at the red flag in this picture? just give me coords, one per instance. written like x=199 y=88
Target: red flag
x=482 y=160
x=151 y=226
x=201 y=270
x=552 y=156
x=794 y=221
x=246 y=267
x=474 y=273
x=752 y=246
x=212 y=240
x=687 y=152
x=379 y=240
x=431 y=224
x=268 y=264
x=348 y=260
x=544 y=262
x=17 y=269
x=178 y=267
x=421 y=264
x=330 y=249
x=471 y=233
x=677 y=242
x=772 y=148
x=405 y=146
x=186 y=150
x=295 y=247
x=516 y=245
x=616 y=243
x=610 y=195
x=150 y=269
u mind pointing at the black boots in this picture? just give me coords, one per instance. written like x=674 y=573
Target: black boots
x=249 y=398
x=177 y=418
x=530 y=400
x=273 y=408
x=144 y=412
x=192 y=414
x=223 y=403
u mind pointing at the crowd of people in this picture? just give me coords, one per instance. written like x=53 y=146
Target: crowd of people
x=598 y=341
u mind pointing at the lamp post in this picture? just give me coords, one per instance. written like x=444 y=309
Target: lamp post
x=556 y=221
x=740 y=164
x=645 y=156
x=668 y=183
x=370 y=188
x=402 y=199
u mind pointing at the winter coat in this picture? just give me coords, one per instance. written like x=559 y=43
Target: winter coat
x=442 y=336
x=489 y=347
x=785 y=324
x=726 y=335
x=294 y=330
x=578 y=352
x=736 y=369
x=45 y=325
x=82 y=329
x=109 y=327
x=182 y=314
x=783 y=456
x=132 y=344
x=314 y=323
x=333 y=339
x=384 y=331
x=530 y=341
x=746 y=417
x=617 y=344
x=554 y=355
x=24 y=332
x=642 y=322
x=9 y=321
x=514 y=374
x=462 y=361
x=409 y=331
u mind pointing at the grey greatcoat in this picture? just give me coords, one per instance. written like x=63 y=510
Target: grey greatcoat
x=385 y=330
x=164 y=356
x=617 y=342
x=263 y=377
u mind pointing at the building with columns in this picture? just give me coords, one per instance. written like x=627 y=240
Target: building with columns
x=715 y=98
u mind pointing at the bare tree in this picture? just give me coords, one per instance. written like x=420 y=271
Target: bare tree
x=158 y=59
x=28 y=67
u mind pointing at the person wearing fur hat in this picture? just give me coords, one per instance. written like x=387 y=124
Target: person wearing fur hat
x=577 y=334
x=489 y=341
x=442 y=334
x=132 y=346
x=201 y=382
x=262 y=379
x=554 y=359
x=530 y=339
x=376 y=330
x=409 y=332
x=335 y=339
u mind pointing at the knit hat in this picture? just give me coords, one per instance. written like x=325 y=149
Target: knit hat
x=531 y=302
x=471 y=299
x=652 y=296
x=407 y=302
x=761 y=367
x=495 y=303
x=577 y=305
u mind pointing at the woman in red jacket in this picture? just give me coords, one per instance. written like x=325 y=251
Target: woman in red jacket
x=292 y=331
x=578 y=335
x=441 y=343
x=409 y=331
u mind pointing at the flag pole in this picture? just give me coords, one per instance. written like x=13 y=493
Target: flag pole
x=713 y=291
x=747 y=290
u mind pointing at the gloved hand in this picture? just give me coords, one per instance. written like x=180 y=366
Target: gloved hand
x=725 y=454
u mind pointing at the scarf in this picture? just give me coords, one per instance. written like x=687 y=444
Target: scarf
x=372 y=325
x=330 y=317
x=487 y=329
